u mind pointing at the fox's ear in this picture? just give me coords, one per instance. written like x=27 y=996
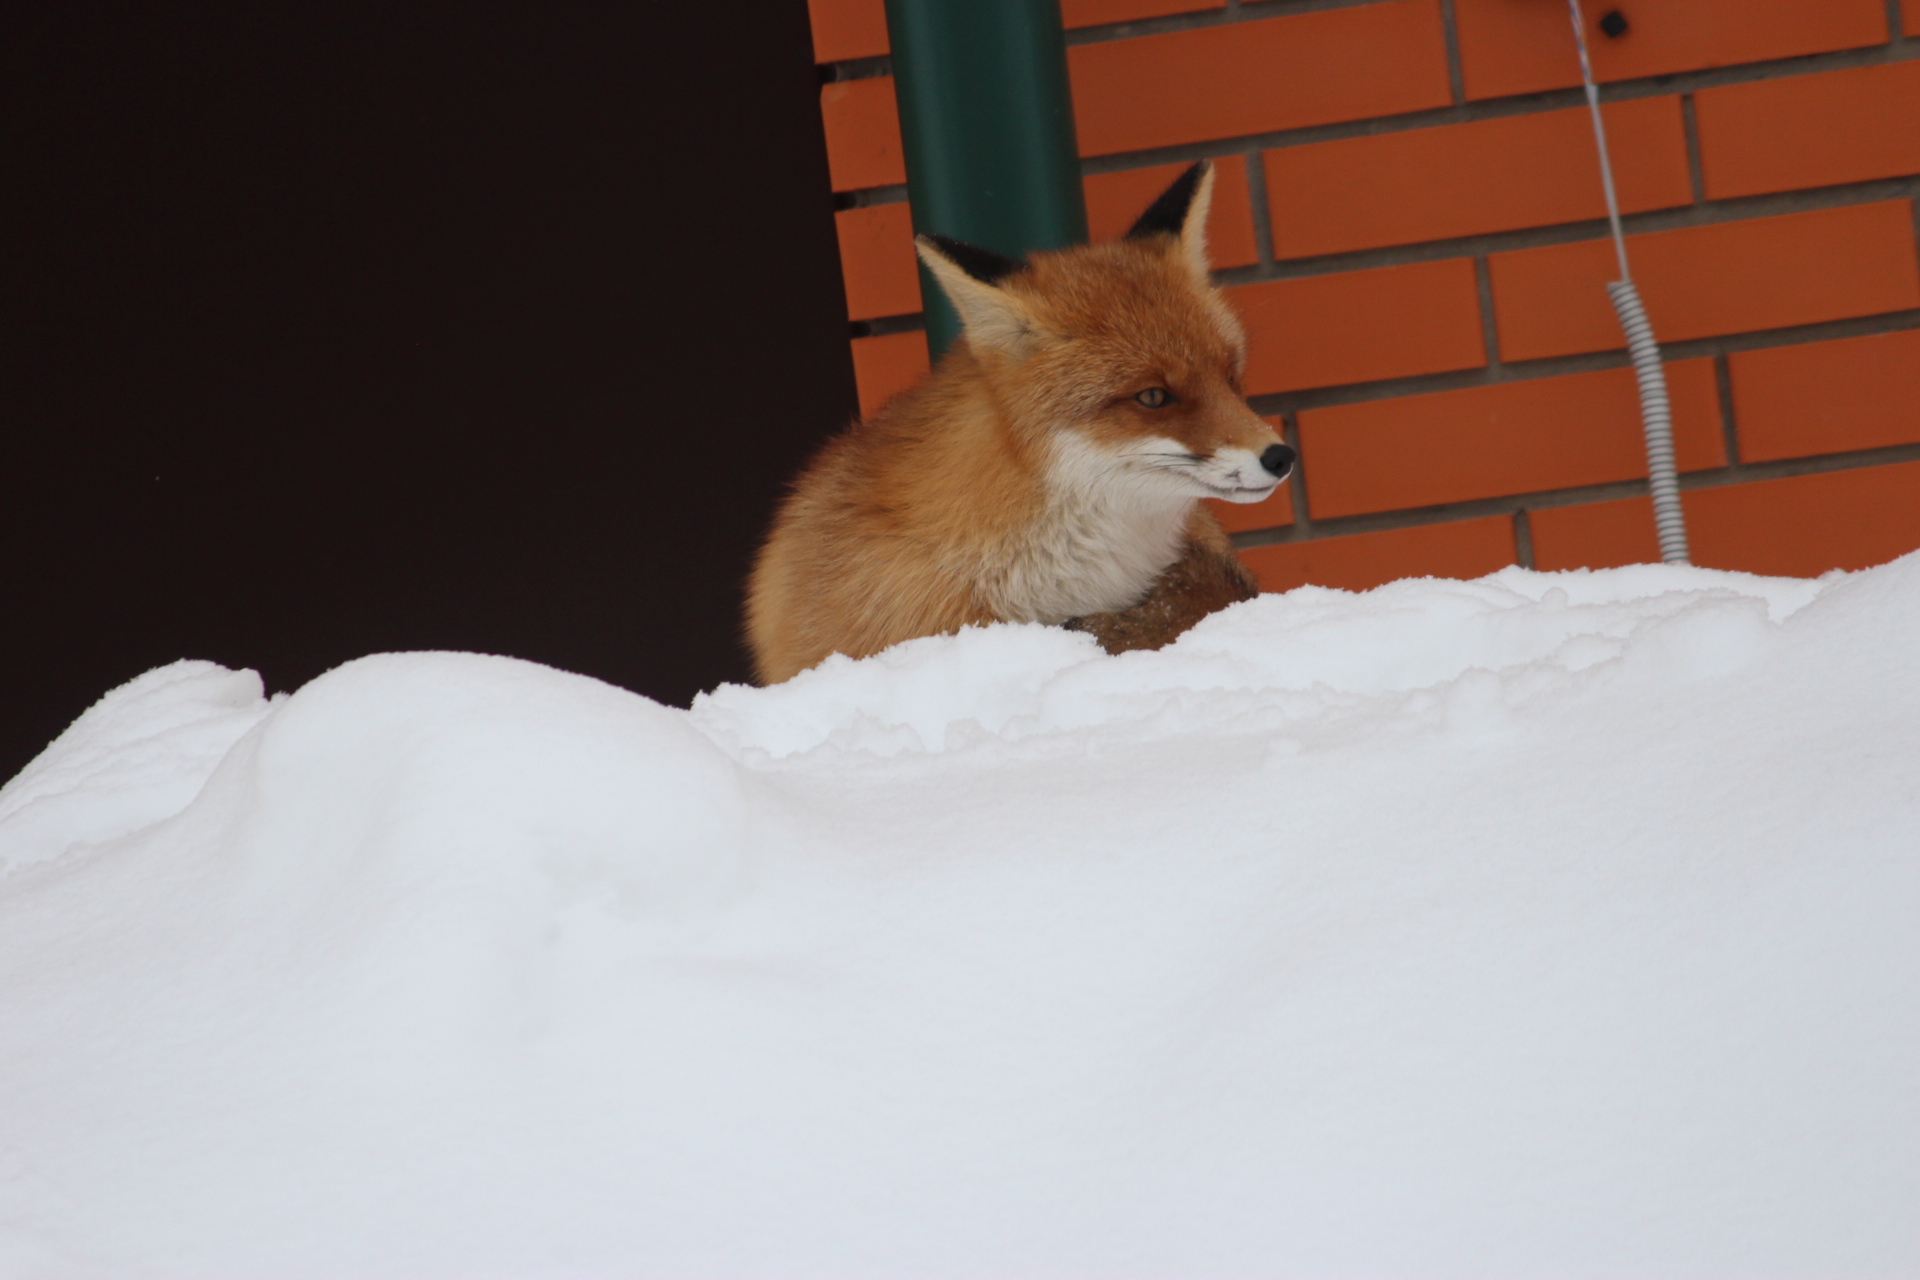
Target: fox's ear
x=1181 y=211
x=971 y=278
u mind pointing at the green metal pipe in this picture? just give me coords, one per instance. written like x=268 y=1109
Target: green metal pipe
x=986 y=119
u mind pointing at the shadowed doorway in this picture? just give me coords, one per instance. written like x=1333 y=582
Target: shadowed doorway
x=341 y=329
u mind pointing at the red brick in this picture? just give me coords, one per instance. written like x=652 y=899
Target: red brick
x=885 y=366
x=1523 y=46
x=1798 y=527
x=1114 y=200
x=1469 y=179
x=1360 y=561
x=1912 y=12
x=1513 y=437
x=877 y=262
x=1358 y=326
x=1827 y=397
x=1731 y=277
x=1237 y=517
x=1226 y=81
x=863 y=134
x=1594 y=535
x=1192 y=86
x=845 y=29
x=1810 y=131
x=1094 y=13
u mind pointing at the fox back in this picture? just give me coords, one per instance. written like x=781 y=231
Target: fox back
x=1047 y=470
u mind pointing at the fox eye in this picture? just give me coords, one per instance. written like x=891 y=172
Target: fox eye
x=1154 y=397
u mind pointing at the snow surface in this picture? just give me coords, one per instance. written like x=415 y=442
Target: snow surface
x=1546 y=925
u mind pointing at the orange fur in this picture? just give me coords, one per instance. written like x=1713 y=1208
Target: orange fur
x=1023 y=481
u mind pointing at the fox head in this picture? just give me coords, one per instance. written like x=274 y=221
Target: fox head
x=1120 y=359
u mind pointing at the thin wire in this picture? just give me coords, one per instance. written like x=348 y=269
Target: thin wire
x=1656 y=410
x=1600 y=139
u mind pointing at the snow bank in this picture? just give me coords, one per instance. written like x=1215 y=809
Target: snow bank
x=1546 y=924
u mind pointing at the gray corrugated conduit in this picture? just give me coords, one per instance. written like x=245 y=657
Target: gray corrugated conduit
x=1656 y=416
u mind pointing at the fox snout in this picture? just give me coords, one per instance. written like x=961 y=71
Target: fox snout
x=1239 y=474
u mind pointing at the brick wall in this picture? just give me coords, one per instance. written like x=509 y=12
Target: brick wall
x=1410 y=220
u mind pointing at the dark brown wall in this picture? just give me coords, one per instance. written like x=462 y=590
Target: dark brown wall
x=348 y=329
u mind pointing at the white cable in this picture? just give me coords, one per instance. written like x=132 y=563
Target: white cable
x=1656 y=416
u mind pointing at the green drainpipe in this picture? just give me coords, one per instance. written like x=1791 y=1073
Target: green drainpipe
x=986 y=118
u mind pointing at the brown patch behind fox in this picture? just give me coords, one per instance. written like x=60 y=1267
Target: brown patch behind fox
x=1050 y=467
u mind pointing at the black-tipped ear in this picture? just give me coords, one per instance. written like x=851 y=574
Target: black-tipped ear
x=983 y=265
x=1169 y=212
x=994 y=318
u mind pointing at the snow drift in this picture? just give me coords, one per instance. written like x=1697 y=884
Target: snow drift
x=1546 y=924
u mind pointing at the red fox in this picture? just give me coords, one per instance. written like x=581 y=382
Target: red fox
x=1049 y=469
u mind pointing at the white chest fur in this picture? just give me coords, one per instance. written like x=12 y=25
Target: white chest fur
x=1109 y=528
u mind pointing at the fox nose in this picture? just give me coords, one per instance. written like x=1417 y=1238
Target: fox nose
x=1278 y=459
